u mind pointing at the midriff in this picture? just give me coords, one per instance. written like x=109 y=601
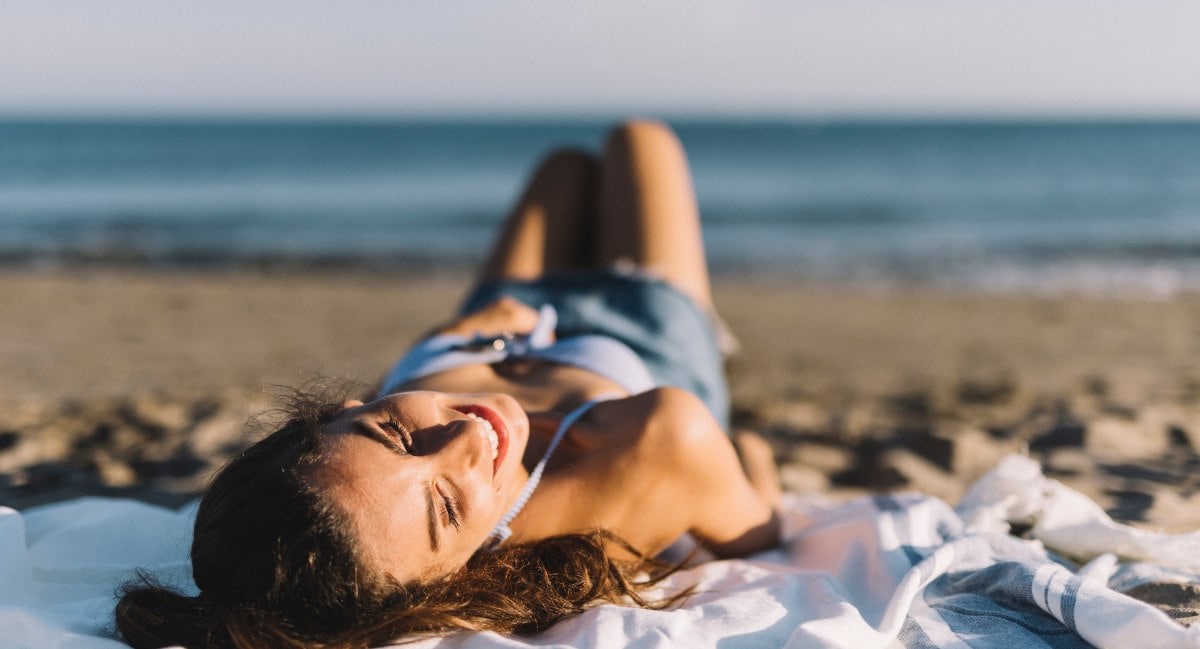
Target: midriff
x=537 y=385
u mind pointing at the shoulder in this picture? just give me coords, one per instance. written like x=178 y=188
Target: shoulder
x=657 y=465
x=681 y=419
x=665 y=412
x=648 y=470
x=624 y=471
x=667 y=428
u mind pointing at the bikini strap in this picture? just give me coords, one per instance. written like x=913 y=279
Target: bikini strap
x=502 y=531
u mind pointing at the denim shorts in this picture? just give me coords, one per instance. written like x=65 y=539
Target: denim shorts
x=672 y=335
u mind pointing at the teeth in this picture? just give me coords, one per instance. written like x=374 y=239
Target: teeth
x=491 y=432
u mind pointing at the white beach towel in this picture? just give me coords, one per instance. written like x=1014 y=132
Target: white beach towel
x=887 y=571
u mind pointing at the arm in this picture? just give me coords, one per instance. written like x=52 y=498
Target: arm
x=503 y=315
x=732 y=518
x=720 y=505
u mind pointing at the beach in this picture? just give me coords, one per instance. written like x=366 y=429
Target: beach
x=138 y=381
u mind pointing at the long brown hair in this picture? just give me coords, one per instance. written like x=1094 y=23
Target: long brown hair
x=277 y=566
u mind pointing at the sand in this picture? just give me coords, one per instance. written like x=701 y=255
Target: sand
x=139 y=382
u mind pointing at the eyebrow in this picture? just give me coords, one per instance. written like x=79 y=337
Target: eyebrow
x=433 y=523
x=362 y=428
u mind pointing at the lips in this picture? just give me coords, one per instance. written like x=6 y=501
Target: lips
x=497 y=431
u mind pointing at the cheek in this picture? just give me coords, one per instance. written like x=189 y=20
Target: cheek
x=489 y=506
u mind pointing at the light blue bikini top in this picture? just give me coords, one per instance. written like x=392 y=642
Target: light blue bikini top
x=605 y=356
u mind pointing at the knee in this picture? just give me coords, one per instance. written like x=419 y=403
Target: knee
x=641 y=132
x=567 y=163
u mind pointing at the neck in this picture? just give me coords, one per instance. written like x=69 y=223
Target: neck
x=502 y=530
x=542 y=426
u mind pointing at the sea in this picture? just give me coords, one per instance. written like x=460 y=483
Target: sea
x=1023 y=206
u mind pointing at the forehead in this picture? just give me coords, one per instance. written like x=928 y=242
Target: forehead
x=386 y=500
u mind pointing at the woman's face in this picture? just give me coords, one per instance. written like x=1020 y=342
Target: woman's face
x=425 y=476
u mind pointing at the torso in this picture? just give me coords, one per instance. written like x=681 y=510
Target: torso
x=539 y=386
x=611 y=476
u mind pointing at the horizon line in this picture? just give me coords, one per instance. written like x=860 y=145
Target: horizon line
x=570 y=116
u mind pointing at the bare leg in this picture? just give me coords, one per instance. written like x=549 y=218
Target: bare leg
x=550 y=226
x=648 y=213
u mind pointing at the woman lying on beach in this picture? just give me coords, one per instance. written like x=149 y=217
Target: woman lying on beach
x=525 y=461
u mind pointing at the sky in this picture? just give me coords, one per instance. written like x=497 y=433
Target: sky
x=784 y=58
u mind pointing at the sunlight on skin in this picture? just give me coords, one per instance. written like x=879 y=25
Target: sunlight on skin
x=416 y=473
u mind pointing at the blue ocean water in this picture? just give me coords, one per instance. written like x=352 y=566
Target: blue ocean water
x=1093 y=207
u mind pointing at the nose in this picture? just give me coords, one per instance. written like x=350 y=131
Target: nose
x=464 y=444
x=443 y=432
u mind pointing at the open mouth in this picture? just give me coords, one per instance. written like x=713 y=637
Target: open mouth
x=494 y=426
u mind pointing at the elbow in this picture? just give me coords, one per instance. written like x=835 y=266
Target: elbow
x=756 y=538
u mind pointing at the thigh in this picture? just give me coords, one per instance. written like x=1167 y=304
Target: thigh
x=550 y=226
x=648 y=212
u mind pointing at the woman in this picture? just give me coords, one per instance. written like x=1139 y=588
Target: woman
x=519 y=465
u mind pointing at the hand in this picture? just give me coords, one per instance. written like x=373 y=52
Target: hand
x=505 y=315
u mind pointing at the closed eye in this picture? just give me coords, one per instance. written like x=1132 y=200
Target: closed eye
x=450 y=509
x=403 y=435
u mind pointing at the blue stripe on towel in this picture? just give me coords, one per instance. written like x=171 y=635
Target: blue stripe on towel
x=994 y=607
x=1067 y=603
